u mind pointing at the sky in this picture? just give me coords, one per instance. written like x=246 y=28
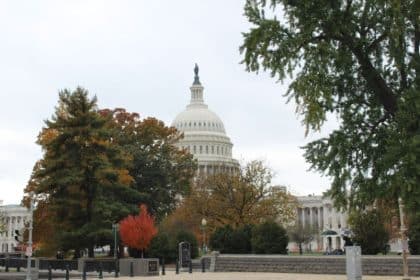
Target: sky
x=139 y=55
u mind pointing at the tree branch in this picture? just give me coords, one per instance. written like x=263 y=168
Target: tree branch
x=376 y=42
x=374 y=80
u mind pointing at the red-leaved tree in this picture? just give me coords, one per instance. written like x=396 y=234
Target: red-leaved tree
x=138 y=231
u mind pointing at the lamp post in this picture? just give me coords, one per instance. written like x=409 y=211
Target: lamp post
x=203 y=226
x=404 y=245
x=29 y=248
x=115 y=228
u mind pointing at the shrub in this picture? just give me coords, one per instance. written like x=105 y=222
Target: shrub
x=234 y=241
x=269 y=238
x=165 y=245
x=185 y=236
x=369 y=231
x=414 y=235
x=220 y=239
x=160 y=247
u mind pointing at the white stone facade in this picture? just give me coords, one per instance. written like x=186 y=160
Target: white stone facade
x=204 y=134
x=319 y=213
x=14 y=218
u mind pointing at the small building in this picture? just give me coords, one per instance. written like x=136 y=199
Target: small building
x=12 y=217
x=318 y=214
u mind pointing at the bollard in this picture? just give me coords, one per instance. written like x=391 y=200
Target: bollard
x=18 y=267
x=7 y=265
x=116 y=268
x=131 y=269
x=163 y=266
x=203 y=266
x=84 y=271
x=49 y=272
x=67 y=272
x=177 y=267
x=100 y=271
x=190 y=267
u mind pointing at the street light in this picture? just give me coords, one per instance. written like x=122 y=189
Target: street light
x=29 y=248
x=203 y=226
x=404 y=245
x=115 y=228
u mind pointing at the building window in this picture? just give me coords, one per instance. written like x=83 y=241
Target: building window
x=201 y=149
x=207 y=149
x=195 y=149
x=212 y=149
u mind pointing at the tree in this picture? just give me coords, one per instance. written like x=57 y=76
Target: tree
x=269 y=238
x=369 y=231
x=138 y=231
x=359 y=60
x=81 y=179
x=238 y=199
x=161 y=172
x=2 y=222
x=302 y=235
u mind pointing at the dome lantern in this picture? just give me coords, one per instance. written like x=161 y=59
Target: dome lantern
x=197 y=90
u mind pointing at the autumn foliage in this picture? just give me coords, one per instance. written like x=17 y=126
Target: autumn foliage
x=138 y=231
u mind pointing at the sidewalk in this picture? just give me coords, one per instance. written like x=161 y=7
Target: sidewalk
x=251 y=276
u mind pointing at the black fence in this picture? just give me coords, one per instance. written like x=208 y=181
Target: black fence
x=58 y=264
x=11 y=255
x=106 y=265
x=15 y=262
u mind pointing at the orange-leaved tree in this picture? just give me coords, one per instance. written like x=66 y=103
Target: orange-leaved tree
x=138 y=231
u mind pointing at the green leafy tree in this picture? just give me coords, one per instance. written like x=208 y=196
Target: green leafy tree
x=161 y=172
x=269 y=238
x=360 y=61
x=369 y=231
x=82 y=175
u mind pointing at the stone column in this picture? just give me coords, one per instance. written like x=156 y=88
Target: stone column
x=303 y=216
x=311 y=216
x=9 y=228
x=319 y=218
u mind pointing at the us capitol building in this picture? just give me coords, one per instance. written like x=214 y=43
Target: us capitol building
x=204 y=134
x=12 y=217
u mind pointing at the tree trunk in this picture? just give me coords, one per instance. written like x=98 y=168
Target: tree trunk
x=120 y=251
x=91 y=253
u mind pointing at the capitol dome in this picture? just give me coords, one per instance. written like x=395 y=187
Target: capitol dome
x=204 y=134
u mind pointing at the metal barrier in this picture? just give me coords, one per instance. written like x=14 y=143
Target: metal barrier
x=57 y=264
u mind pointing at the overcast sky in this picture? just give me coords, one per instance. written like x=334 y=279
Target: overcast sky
x=140 y=55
